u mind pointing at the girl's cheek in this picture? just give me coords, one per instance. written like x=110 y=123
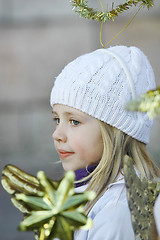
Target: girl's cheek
x=77 y=146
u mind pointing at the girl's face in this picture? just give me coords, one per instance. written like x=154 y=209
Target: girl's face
x=77 y=138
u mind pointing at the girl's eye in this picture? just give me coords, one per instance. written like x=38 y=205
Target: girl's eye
x=74 y=122
x=57 y=120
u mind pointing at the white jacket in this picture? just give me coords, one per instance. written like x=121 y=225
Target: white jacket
x=156 y=214
x=111 y=216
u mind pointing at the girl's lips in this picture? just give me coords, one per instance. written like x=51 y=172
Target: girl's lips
x=64 y=154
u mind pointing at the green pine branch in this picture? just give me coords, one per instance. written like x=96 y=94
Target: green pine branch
x=81 y=7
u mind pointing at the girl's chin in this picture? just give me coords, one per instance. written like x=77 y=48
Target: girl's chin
x=66 y=167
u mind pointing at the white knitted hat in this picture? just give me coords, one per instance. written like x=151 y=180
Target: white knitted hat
x=102 y=82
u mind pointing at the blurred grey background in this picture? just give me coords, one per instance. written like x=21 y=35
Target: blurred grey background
x=37 y=39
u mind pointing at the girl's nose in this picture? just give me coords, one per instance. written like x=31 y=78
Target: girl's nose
x=59 y=134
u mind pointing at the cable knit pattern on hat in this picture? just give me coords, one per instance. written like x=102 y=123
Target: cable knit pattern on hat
x=102 y=82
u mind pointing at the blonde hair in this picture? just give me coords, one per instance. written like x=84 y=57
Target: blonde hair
x=116 y=145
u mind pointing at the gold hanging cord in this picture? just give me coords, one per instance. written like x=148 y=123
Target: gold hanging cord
x=103 y=46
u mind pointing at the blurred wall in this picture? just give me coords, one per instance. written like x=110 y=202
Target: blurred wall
x=37 y=39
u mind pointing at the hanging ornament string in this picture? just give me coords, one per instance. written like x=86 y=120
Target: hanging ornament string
x=103 y=46
x=81 y=7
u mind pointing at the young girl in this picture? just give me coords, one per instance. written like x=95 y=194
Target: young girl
x=94 y=132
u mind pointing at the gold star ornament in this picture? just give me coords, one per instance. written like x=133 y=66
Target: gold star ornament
x=51 y=209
